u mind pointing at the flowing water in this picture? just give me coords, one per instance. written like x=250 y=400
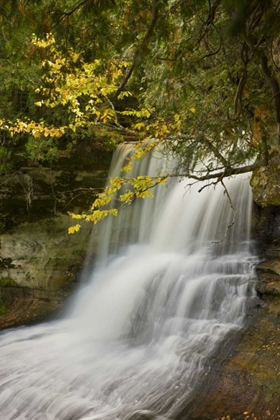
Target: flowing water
x=166 y=291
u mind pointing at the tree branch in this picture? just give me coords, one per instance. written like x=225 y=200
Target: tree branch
x=269 y=78
x=217 y=154
x=223 y=174
x=213 y=175
x=67 y=14
x=234 y=214
x=141 y=48
x=238 y=94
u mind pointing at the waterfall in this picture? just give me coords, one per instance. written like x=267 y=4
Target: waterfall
x=173 y=280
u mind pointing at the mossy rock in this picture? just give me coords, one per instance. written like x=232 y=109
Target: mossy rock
x=7 y=282
x=265 y=183
x=59 y=261
x=3 y=308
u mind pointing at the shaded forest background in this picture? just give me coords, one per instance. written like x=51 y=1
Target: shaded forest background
x=202 y=74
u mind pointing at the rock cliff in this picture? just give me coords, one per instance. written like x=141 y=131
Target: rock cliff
x=39 y=261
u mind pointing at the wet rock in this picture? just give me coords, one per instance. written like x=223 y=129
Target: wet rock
x=43 y=256
x=266 y=232
x=270 y=288
x=21 y=306
x=269 y=278
x=271 y=267
x=6 y=262
x=36 y=252
x=265 y=183
x=40 y=264
x=247 y=385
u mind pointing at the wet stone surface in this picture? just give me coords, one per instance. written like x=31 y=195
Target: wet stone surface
x=247 y=386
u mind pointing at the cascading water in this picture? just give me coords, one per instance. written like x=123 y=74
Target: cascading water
x=142 y=330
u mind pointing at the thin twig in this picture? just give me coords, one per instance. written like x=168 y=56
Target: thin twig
x=233 y=210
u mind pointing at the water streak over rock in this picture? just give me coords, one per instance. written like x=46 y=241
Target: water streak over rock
x=138 y=339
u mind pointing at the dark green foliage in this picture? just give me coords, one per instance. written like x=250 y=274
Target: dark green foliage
x=213 y=66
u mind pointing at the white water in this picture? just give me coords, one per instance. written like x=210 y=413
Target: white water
x=141 y=332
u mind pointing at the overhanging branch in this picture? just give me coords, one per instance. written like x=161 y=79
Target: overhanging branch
x=270 y=79
x=141 y=48
x=219 y=176
x=216 y=153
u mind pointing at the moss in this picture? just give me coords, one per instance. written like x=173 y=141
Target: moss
x=28 y=276
x=79 y=252
x=35 y=261
x=59 y=261
x=7 y=282
x=265 y=183
x=3 y=308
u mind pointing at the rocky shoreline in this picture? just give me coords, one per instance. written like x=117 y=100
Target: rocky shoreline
x=29 y=306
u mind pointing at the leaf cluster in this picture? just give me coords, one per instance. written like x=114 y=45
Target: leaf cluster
x=199 y=77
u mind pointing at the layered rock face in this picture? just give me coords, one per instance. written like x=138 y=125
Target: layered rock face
x=39 y=261
x=41 y=255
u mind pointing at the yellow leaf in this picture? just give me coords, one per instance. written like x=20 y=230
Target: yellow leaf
x=127 y=168
x=139 y=126
x=127 y=197
x=114 y=212
x=73 y=229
